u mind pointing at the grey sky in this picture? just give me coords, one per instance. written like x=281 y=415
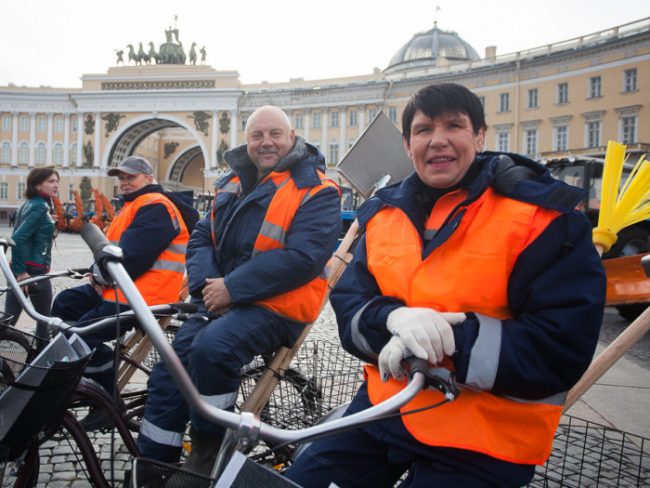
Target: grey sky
x=43 y=42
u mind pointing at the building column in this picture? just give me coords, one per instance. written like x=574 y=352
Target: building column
x=98 y=129
x=233 y=128
x=32 y=139
x=213 y=139
x=361 y=120
x=66 y=140
x=307 y=124
x=343 y=143
x=80 y=139
x=14 y=139
x=50 y=129
x=323 y=134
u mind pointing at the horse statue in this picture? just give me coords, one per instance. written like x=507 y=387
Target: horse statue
x=142 y=56
x=153 y=55
x=132 y=55
x=193 y=53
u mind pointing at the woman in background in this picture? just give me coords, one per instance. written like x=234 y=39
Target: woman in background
x=33 y=235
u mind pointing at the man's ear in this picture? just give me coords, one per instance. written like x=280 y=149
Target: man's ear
x=292 y=136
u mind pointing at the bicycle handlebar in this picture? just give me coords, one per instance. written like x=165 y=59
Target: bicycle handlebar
x=247 y=425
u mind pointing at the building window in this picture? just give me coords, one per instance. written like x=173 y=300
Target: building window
x=316 y=120
x=563 y=93
x=334 y=122
x=593 y=133
x=628 y=129
x=4 y=190
x=300 y=121
x=595 y=84
x=532 y=98
x=560 y=138
x=73 y=153
x=353 y=118
x=23 y=125
x=20 y=190
x=504 y=102
x=334 y=152
x=58 y=153
x=58 y=124
x=392 y=114
x=372 y=113
x=244 y=120
x=503 y=142
x=23 y=153
x=531 y=141
x=74 y=122
x=40 y=153
x=5 y=156
x=350 y=143
x=6 y=123
x=629 y=80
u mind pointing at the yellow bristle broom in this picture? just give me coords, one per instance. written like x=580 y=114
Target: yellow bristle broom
x=631 y=205
x=617 y=211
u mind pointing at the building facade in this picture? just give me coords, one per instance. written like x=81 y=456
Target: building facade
x=569 y=97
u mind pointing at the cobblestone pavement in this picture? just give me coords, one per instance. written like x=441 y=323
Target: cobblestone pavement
x=60 y=462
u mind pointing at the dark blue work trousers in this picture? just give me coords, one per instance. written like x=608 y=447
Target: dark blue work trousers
x=379 y=453
x=82 y=305
x=214 y=352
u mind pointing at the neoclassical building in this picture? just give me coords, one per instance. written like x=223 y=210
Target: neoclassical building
x=569 y=97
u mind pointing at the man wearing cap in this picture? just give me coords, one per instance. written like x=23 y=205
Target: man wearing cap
x=152 y=228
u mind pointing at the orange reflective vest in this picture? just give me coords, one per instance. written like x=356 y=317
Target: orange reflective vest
x=302 y=304
x=467 y=273
x=162 y=282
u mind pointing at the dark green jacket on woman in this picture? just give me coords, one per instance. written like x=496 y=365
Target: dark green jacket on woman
x=33 y=235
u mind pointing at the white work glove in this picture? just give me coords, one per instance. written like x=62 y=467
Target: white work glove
x=390 y=358
x=425 y=332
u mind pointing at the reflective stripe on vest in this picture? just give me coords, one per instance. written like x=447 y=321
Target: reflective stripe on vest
x=163 y=281
x=469 y=272
x=302 y=304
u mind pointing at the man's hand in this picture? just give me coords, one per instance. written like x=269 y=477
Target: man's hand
x=216 y=296
x=21 y=277
x=390 y=359
x=425 y=332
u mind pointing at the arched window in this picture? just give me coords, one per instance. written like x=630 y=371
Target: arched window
x=23 y=153
x=58 y=153
x=5 y=156
x=40 y=153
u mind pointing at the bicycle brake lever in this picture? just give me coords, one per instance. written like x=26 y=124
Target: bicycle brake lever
x=441 y=379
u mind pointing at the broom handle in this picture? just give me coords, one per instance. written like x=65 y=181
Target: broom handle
x=612 y=353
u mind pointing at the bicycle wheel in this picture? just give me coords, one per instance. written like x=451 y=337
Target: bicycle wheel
x=22 y=473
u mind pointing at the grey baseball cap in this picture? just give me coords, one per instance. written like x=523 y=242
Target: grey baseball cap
x=132 y=165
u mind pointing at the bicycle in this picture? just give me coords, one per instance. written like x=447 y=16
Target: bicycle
x=17 y=350
x=248 y=426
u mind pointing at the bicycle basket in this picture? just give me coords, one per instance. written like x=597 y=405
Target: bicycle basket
x=588 y=454
x=148 y=473
x=34 y=394
x=321 y=376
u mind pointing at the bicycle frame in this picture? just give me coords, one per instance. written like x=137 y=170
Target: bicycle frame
x=248 y=427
